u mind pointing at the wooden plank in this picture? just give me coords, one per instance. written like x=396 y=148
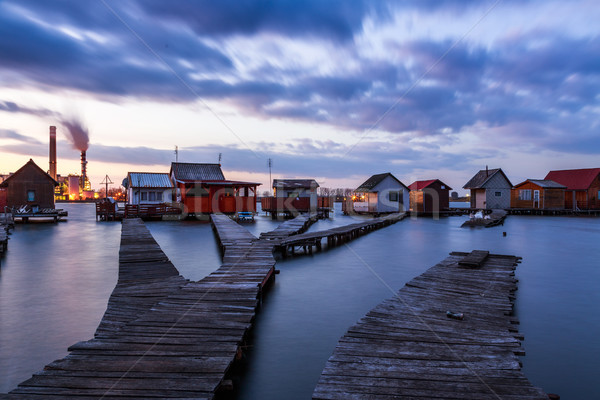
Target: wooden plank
x=407 y=347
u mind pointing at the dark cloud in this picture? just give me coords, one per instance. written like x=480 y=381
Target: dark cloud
x=10 y=134
x=329 y=19
x=12 y=107
x=545 y=83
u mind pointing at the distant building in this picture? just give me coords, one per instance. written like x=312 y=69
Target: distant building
x=149 y=188
x=430 y=196
x=490 y=188
x=381 y=193
x=29 y=186
x=538 y=194
x=582 y=187
x=203 y=189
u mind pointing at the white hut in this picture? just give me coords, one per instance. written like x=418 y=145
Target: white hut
x=149 y=188
x=381 y=193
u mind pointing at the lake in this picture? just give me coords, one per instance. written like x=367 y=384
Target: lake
x=55 y=281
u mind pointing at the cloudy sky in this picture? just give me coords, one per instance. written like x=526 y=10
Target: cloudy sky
x=333 y=90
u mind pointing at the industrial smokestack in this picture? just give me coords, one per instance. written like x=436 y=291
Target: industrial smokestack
x=53 y=152
x=83 y=170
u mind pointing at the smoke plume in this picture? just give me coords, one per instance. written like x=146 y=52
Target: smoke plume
x=77 y=134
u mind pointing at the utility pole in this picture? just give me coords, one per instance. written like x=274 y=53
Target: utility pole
x=176 y=154
x=106 y=181
x=270 y=164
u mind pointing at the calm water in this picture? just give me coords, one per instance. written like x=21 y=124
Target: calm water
x=55 y=281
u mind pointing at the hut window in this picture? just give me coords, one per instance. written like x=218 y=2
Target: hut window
x=498 y=194
x=152 y=196
x=393 y=196
x=31 y=195
x=525 y=194
x=228 y=192
x=144 y=196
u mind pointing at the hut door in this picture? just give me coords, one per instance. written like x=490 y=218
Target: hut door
x=536 y=199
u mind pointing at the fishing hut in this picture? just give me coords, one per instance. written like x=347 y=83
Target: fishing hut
x=380 y=194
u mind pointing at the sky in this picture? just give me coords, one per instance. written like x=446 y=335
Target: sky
x=331 y=90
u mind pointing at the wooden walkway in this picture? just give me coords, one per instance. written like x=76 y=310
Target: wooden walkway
x=336 y=236
x=163 y=336
x=448 y=334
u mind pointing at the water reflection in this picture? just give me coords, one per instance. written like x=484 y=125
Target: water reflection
x=55 y=281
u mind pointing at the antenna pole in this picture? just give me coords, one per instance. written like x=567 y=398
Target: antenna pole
x=106 y=181
x=176 y=154
x=270 y=163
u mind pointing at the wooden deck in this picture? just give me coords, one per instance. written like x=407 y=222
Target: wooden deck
x=3 y=238
x=336 y=236
x=163 y=336
x=409 y=346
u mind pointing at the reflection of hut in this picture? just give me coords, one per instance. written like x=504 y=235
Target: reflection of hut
x=582 y=187
x=149 y=188
x=429 y=196
x=203 y=189
x=381 y=193
x=490 y=188
x=29 y=186
x=539 y=194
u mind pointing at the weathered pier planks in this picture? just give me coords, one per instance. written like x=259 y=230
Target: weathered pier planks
x=338 y=235
x=163 y=336
x=410 y=347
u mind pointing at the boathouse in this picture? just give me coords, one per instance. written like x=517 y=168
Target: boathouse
x=582 y=187
x=381 y=193
x=149 y=188
x=539 y=194
x=294 y=196
x=203 y=189
x=430 y=196
x=490 y=188
x=30 y=186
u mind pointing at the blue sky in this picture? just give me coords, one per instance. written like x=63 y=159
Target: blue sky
x=332 y=90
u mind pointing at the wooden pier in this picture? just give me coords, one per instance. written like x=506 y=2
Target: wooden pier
x=447 y=334
x=336 y=236
x=163 y=336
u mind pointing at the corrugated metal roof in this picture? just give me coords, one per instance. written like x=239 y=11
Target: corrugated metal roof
x=149 y=180
x=295 y=183
x=197 y=172
x=375 y=180
x=546 y=183
x=480 y=178
x=574 y=179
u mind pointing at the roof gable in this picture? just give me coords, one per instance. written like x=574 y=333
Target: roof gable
x=479 y=180
x=295 y=183
x=574 y=179
x=149 y=180
x=28 y=165
x=419 y=185
x=375 y=180
x=196 y=172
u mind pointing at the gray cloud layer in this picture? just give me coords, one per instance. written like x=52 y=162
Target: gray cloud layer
x=539 y=88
